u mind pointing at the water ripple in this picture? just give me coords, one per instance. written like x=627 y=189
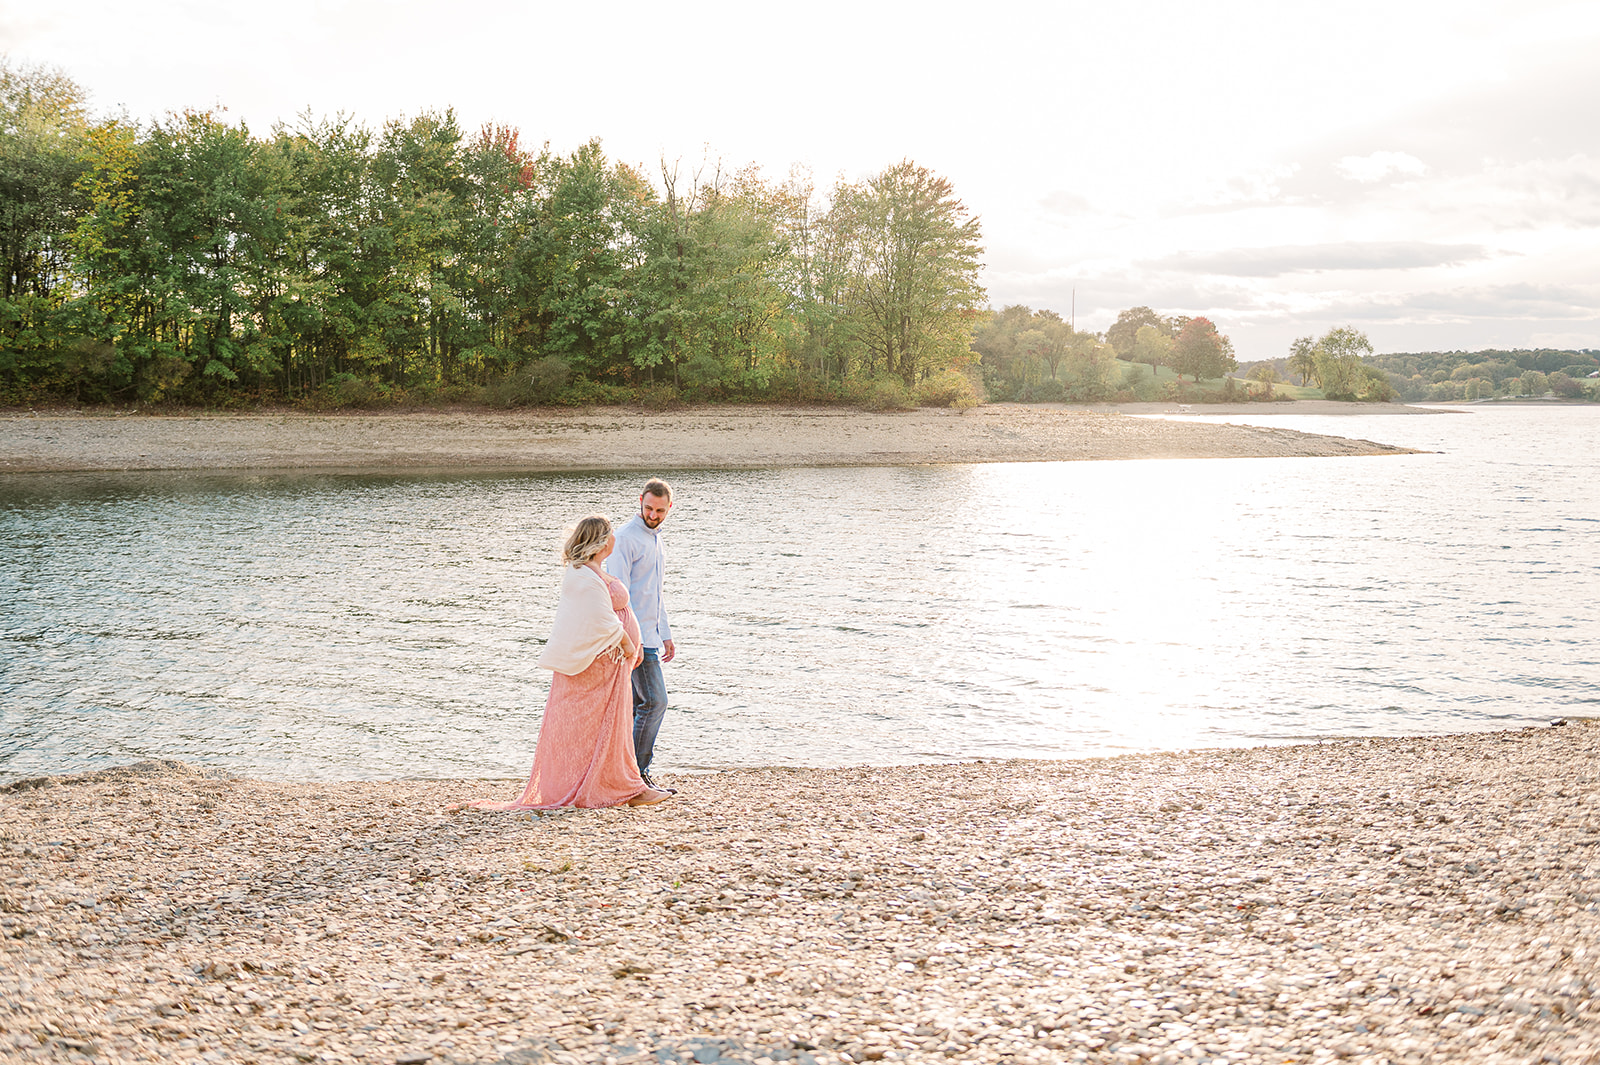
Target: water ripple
x=339 y=626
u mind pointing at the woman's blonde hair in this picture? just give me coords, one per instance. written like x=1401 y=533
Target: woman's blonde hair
x=586 y=541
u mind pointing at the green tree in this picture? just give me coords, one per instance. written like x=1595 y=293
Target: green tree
x=1153 y=346
x=737 y=282
x=497 y=178
x=1124 y=332
x=1267 y=376
x=1339 y=368
x=917 y=258
x=820 y=251
x=1303 y=359
x=211 y=228
x=189 y=260
x=1031 y=362
x=719 y=279
x=1057 y=339
x=1027 y=354
x=332 y=266
x=109 y=309
x=43 y=137
x=1565 y=386
x=176 y=252
x=1123 y=335
x=418 y=190
x=995 y=339
x=1088 y=373
x=1376 y=386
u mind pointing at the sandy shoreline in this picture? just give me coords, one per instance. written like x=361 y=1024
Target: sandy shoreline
x=614 y=439
x=1392 y=900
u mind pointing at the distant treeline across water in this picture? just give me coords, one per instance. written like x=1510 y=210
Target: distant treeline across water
x=1446 y=376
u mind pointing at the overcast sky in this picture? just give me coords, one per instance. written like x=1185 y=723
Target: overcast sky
x=1427 y=172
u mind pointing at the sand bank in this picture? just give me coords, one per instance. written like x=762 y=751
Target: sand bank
x=1395 y=900
x=1319 y=407
x=716 y=438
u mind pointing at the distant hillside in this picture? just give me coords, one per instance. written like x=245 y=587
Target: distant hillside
x=1459 y=375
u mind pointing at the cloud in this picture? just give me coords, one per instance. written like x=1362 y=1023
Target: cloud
x=1563 y=341
x=1466 y=201
x=1515 y=300
x=1379 y=165
x=1066 y=204
x=1254 y=187
x=1467 y=304
x=1318 y=258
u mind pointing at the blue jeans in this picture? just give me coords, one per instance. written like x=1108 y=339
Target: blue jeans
x=649 y=705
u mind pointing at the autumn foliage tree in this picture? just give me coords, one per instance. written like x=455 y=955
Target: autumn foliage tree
x=1201 y=351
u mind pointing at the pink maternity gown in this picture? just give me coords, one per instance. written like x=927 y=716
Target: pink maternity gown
x=585 y=752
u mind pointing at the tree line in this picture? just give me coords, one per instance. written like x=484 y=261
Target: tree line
x=1036 y=356
x=1342 y=364
x=1031 y=355
x=1460 y=375
x=1185 y=345
x=192 y=261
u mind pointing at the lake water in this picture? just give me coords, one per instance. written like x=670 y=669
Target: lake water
x=321 y=626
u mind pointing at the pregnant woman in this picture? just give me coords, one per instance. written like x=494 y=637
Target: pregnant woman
x=585 y=752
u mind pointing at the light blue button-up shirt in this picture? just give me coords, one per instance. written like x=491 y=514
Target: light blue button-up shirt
x=637 y=563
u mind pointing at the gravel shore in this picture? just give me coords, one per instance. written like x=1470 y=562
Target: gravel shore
x=714 y=438
x=1377 y=900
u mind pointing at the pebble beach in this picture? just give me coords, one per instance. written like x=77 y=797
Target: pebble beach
x=1370 y=900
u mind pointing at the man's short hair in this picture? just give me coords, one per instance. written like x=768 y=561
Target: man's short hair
x=655 y=486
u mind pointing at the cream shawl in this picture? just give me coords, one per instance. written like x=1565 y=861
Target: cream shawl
x=585 y=624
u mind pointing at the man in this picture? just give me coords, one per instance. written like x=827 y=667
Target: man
x=636 y=562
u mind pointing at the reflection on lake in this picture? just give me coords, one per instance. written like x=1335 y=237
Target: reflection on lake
x=317 y=626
